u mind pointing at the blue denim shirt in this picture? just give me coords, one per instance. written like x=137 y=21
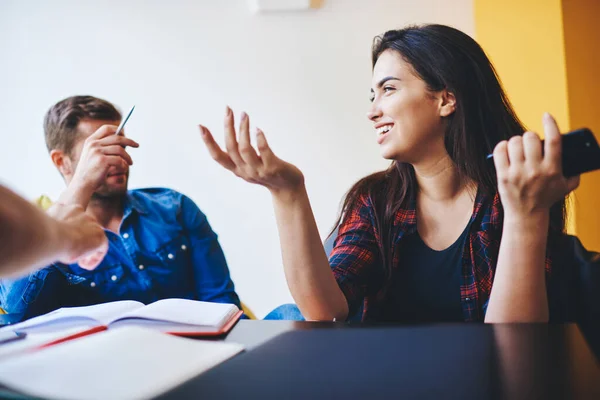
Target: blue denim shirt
x=165 y=248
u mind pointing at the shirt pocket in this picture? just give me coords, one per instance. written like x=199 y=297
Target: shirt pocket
x=175 y=252
x=100 y=279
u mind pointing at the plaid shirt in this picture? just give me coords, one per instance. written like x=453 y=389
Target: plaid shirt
x=356 y=263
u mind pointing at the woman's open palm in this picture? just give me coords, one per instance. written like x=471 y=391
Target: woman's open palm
x=262 y=167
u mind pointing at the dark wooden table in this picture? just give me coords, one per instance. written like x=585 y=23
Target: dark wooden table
x=323 y=360
x=254 y=333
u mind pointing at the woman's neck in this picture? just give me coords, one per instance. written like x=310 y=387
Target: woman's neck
x=439 y=180
x=445 y=201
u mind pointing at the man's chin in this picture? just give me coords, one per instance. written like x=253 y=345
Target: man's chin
x=111 y=191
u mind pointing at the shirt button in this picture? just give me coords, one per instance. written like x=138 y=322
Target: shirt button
x=125 y=235
x=171 y=256
x=141 y=267
x=113 y=278
x=93 y=284
x=183 y=247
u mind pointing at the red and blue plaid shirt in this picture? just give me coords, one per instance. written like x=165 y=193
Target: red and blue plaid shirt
x=356 y=260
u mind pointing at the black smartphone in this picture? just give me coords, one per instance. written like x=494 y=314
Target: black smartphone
x=580 y=152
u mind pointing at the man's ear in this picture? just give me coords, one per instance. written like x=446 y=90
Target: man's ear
x=447 y=103
x=62 y=162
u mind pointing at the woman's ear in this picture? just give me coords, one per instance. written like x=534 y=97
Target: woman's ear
x=447 y=103
x=62 y=162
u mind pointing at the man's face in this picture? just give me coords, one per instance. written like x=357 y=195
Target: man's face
x=115 y=182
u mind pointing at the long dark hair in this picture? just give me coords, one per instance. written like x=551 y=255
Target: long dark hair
x=445 y=58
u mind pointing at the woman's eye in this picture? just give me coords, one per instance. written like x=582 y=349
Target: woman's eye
x=385 y=89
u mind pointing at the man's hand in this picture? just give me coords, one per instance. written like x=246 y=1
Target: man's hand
x=102 y=150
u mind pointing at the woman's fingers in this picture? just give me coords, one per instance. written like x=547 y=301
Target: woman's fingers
x=516 y=157
x=231 y=143
x=215 y=151
x=246 y=151
x=552 y=144
x=266 y=154
x=532 y=148
x=501 y=161
x=529 y=174
x=241 y=157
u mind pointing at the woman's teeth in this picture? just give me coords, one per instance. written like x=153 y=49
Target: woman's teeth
x=384 y=129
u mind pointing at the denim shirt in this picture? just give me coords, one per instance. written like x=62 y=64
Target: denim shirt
x=165 y=248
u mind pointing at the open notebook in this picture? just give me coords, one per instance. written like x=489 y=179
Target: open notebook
x=175 y=316
x=124 y=363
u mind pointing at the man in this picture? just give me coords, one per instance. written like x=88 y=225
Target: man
x=31 y=239
x=160 y=244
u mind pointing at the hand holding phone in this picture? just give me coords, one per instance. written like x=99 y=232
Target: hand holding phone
x=530 y=172
x=580 y=152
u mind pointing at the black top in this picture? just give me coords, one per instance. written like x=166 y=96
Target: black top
x=426 y=286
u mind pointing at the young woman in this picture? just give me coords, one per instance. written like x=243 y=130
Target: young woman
x=425 y=240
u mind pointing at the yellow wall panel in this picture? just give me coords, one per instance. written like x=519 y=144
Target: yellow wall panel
x=582 y=51
x=524 y=39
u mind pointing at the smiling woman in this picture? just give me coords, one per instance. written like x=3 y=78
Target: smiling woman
x=424 y=240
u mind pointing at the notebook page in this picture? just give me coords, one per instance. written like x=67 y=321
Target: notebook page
x=124 y=363
x=64 y=318
x=163 y=326
x=187 y=312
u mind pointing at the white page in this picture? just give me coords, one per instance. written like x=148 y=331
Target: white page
x=64 y=318
x=188 y=312
x=163 y=326
x=125 y=363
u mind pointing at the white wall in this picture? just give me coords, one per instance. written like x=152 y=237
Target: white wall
x=303 y=77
